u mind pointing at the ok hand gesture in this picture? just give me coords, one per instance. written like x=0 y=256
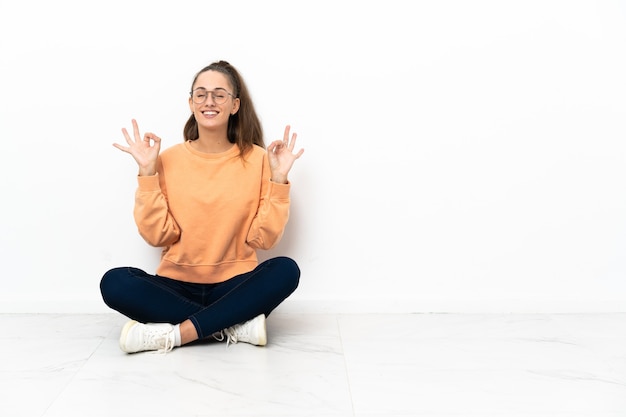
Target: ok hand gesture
x=145 y=151
x=281 y=156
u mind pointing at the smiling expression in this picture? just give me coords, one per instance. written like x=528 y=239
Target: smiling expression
x=209 y=114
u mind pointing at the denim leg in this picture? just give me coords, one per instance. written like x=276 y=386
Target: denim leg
x=245 y=296
x=210 y=307
x=146 y=298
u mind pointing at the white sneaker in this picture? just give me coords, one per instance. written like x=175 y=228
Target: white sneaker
x=137 y=337
x=252 y=331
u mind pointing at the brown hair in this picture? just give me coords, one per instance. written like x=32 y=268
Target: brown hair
x=244 y=127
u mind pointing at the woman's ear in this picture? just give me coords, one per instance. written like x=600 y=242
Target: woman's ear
x=235 y=108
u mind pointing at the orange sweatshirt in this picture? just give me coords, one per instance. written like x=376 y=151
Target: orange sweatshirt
x=210 y=212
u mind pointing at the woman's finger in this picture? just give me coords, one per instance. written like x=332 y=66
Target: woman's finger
x=293 y=141
x=126 y=135
x=286 y=134
x=136 y=131
x=121 y=148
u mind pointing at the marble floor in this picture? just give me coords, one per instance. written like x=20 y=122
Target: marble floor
x=383 y=365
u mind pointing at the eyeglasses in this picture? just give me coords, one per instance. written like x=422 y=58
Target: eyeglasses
x=219 y=95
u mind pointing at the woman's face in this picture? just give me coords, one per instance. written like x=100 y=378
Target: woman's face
x=212 y=101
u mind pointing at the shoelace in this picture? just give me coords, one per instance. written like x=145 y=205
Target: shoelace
x=230 y=334
x=169 y=344
x=155 y=335
x=219 y=336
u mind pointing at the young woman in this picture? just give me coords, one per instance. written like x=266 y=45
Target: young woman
x=210 y=203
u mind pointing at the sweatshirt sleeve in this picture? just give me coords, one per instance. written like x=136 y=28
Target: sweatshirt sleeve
x=154 y=221
x=271 y=218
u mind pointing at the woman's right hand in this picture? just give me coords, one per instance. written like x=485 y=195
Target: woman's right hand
x=145 y=151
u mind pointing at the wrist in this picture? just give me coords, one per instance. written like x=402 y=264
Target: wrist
x=143 y=172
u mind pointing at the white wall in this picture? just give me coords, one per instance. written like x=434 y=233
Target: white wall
x=460 y=155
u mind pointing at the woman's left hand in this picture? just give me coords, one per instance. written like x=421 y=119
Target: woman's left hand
x=281 y=156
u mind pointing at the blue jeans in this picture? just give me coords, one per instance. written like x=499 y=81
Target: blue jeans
x=210 y=307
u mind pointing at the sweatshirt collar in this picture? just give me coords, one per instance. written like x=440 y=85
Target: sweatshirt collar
x=233 y=151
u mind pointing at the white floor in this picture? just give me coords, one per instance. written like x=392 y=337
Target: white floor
x=324 y=365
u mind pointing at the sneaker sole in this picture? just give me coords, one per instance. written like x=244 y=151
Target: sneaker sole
x=124 y=335
x=263 y=336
